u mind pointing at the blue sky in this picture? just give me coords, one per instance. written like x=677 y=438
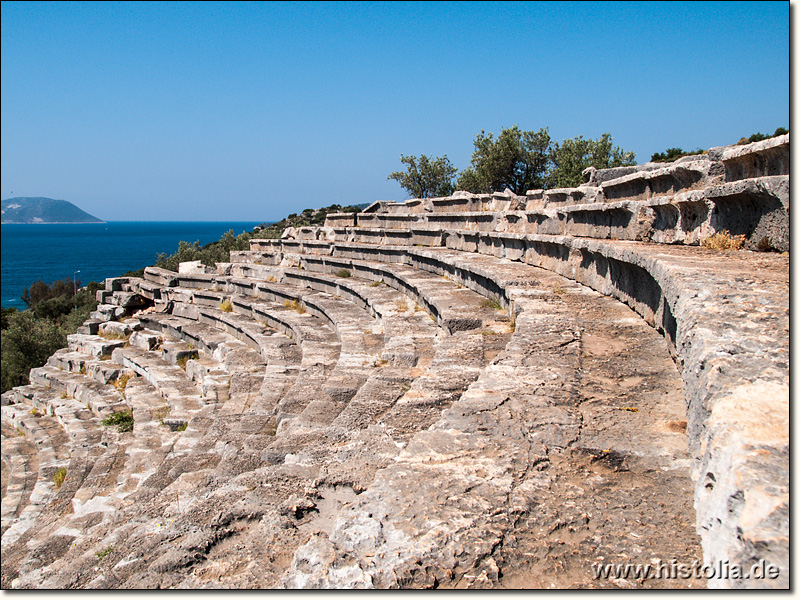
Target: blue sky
x=229 y=111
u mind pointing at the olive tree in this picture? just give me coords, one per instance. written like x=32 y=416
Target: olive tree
x=574 y=155
x=426 y=177
x=515 y=159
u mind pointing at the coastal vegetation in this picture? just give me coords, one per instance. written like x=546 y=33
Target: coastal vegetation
x=526 y=160
x=673 y=154
x=515 y=159
x=219 y=251
x=30 y=336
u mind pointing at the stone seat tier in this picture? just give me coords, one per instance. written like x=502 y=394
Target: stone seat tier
x=244 y=371
x=95 y=459
x=103 y=371
x=496 y=446
x=320 y=348
x=20 y=466
x=79 y=423
x=102 y=400
x=93 y=345
x=176 y=497
x=755 y=208
x=51 y=446
x=405 y=337
x=453 y=308
x=181 y=395
x=682 y=291
x=88 y=494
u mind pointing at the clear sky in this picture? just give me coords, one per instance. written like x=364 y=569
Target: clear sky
x=250 y=111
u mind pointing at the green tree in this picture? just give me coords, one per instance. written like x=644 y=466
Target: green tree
x=426 y=177
x=27 y=343
x=6 y=314
x=574 y=155
x=516 y=159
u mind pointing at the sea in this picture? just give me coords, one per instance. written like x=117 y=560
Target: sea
x=93 y=251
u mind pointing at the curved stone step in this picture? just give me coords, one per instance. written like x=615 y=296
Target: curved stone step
x=492 y=462
x=21 y=468
x=102 y=400
x=51 y=448
x=682 y=291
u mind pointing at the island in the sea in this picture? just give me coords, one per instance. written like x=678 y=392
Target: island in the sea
x=43 y=210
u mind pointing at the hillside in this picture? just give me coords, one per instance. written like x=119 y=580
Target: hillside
x=43 y=210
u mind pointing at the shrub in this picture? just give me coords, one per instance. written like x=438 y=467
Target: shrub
x=673 y=154
x=343 y=273
x=123 y=421
x=226 y=306
x=723 y=241
x=757 y=137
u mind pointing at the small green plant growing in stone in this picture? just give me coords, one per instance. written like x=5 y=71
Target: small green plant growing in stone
x=83 y=369
x=123 y=421
x=402 y=305
x=182 y=427
x=59 y=476
x=104 y=357
x=101 y=554
x=343 y=273
x=377 y=283
x=35 y=412
x=161 y=414
x=492 y=303
x=559 y=289
x=512 y=325
x=226 y=306
x=64 y=395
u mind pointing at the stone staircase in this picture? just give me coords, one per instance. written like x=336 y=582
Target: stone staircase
x=479 y=391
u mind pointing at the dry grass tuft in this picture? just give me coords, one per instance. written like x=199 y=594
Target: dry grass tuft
x=723 y=241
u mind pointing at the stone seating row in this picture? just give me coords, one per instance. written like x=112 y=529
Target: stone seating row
x=276 y=291
x=723 y=164
x=755 y=208
x=681 y=291
x=408 y=415
x=51 y=446
x=20 y=462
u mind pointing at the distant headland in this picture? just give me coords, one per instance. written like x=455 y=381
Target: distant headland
x=43 y=210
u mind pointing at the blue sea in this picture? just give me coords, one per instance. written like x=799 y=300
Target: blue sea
x=97 y=250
